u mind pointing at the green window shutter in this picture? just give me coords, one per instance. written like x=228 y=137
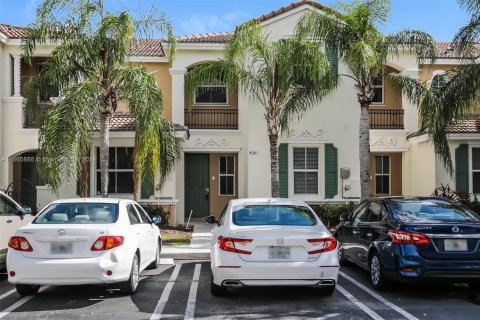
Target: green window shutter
x=283 y=169
x=461 y=169
x=147 y=189
x=331 y=171
x=332 y=55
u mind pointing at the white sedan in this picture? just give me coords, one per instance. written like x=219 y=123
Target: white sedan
x=84 y=241
x=271 y=242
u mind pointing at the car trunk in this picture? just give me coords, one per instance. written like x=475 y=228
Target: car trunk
x=448 y=240
x=62 y=241
x=279 y=243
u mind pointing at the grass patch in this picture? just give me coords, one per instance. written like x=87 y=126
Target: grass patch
x=176 y=237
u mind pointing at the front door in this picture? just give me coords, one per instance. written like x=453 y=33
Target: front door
x=197 y=185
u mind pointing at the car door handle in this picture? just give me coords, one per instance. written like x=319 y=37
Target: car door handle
x=354 y=232
x=9 y=221
x=369 y=234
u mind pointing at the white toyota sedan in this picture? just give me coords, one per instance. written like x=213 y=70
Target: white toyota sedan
x=271 y=242
x=84 y=241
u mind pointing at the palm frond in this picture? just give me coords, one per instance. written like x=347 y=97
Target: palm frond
x=412 y=41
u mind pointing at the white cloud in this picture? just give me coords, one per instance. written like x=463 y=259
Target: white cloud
x=202 y=23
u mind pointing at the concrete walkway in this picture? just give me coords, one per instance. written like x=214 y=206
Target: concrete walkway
x=199 y=248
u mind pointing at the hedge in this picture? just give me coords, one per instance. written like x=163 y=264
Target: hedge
x=330 y=213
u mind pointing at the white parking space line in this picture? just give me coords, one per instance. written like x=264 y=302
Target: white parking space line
x=379 y=297
x=364 y=308
x=192 y=296
x=6 y=294
x=157 y=313
x=19 y=303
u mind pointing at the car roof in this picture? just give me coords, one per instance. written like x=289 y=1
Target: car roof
x=408 y=198
x=90 y=200
x=268 y=201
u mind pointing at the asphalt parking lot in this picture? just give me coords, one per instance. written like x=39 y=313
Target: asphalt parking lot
x=181 y=291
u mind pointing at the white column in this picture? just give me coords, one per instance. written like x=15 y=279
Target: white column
x=17 y=58
x=178 y=95
x=410 y=110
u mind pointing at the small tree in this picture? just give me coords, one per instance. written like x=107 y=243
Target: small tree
x=287 y=77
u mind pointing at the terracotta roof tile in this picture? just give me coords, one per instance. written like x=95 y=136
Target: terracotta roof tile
x=288 y=8
x=468 y=125
x=445 y=50
x=122 y=122
x=216 y=37
x=12 y=32
x=147 y=48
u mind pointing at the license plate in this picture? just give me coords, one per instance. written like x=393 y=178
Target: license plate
x=278 y=253
x=455 y=245
x=61 y=248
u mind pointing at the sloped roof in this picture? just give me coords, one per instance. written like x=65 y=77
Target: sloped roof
x=446 y=50
x=468 y=125
x=124 y=122
x=12 y=32
x=215 y=37
x=147 y=48
x=289 y=7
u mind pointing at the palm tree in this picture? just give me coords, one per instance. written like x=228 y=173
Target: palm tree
x=459 y=92
x=90 y=66
x=353 y=31
x=287 y=77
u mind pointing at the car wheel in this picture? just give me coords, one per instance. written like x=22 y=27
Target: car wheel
x=217 y=291
x=156 y=262
x=377 y=273
x=130 y=286
x=26 y=289
x=341 y=255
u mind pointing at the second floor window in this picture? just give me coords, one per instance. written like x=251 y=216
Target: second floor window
x=214 y=94
x=378 y=89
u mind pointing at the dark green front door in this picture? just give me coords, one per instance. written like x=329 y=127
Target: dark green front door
x=197 y=185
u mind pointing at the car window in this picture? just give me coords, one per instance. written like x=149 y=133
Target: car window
x=432 y=210
x=359 y=214
x=78 y=213
x=7 y=208
x=132 y=215
x=222 y=215
x=143 y=214
x=376 y=212
x=276 y=215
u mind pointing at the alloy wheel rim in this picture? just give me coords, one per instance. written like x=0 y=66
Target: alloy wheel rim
x=158 y=254
x=340 y=252
x=375 y=270
x=135 y=273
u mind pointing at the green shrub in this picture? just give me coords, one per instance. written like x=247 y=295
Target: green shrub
x=157 y=211
x=444 y=191
x=330 y=213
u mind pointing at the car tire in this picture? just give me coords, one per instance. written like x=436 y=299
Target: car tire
x=130 y=286
x=341 y=256
x=326 y=291
x=216 y=290
x=156 y=262
x=27 y=289
x=377 y=273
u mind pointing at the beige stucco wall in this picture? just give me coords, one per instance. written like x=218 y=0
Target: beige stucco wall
x=423 y=169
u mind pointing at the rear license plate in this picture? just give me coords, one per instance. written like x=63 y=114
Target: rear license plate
x=278 y=253
x=455 y=245
x=61 y=248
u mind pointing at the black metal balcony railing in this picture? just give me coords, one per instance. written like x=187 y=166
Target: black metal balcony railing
x=33 y=119
x=386 y=118
x=197 y=118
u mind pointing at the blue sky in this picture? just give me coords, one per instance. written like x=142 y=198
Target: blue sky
x=440 y=18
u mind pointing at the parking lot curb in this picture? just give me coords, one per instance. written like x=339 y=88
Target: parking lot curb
x=185 y=253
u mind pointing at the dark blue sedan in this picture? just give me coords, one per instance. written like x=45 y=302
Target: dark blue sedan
x=399 y=238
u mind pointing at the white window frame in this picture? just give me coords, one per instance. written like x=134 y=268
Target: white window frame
x=434 y=74
x=321 y=172
x=226 y=103
x=227 y=175
x=376 y=86
x=113 y=170
x=470 y=167
x=384 y=174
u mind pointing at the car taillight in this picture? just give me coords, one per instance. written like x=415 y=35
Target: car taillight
x=403 y=237
x=326 y=244
x=20 y=244
x=107 y=243
x=231 y=244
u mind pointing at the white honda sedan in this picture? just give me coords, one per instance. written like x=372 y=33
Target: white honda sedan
x=271 y=242
x=84 y=241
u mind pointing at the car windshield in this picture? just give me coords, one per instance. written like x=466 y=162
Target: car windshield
x=78 y=213
x=278 y=215
x=432 y=210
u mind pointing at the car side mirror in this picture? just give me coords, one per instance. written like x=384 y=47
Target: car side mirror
x=210 y=220
x=25 y=211
x=156 y=220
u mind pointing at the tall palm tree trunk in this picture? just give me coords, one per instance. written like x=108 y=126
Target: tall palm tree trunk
x=364 y=151
x=84 y=165
x=273 y=129
x=104 y=152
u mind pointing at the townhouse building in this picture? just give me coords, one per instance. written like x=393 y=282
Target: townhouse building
x=224 y=138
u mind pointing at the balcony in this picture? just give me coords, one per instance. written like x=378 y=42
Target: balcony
x=386 y=119
x=211 y=118
x=33 y=119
